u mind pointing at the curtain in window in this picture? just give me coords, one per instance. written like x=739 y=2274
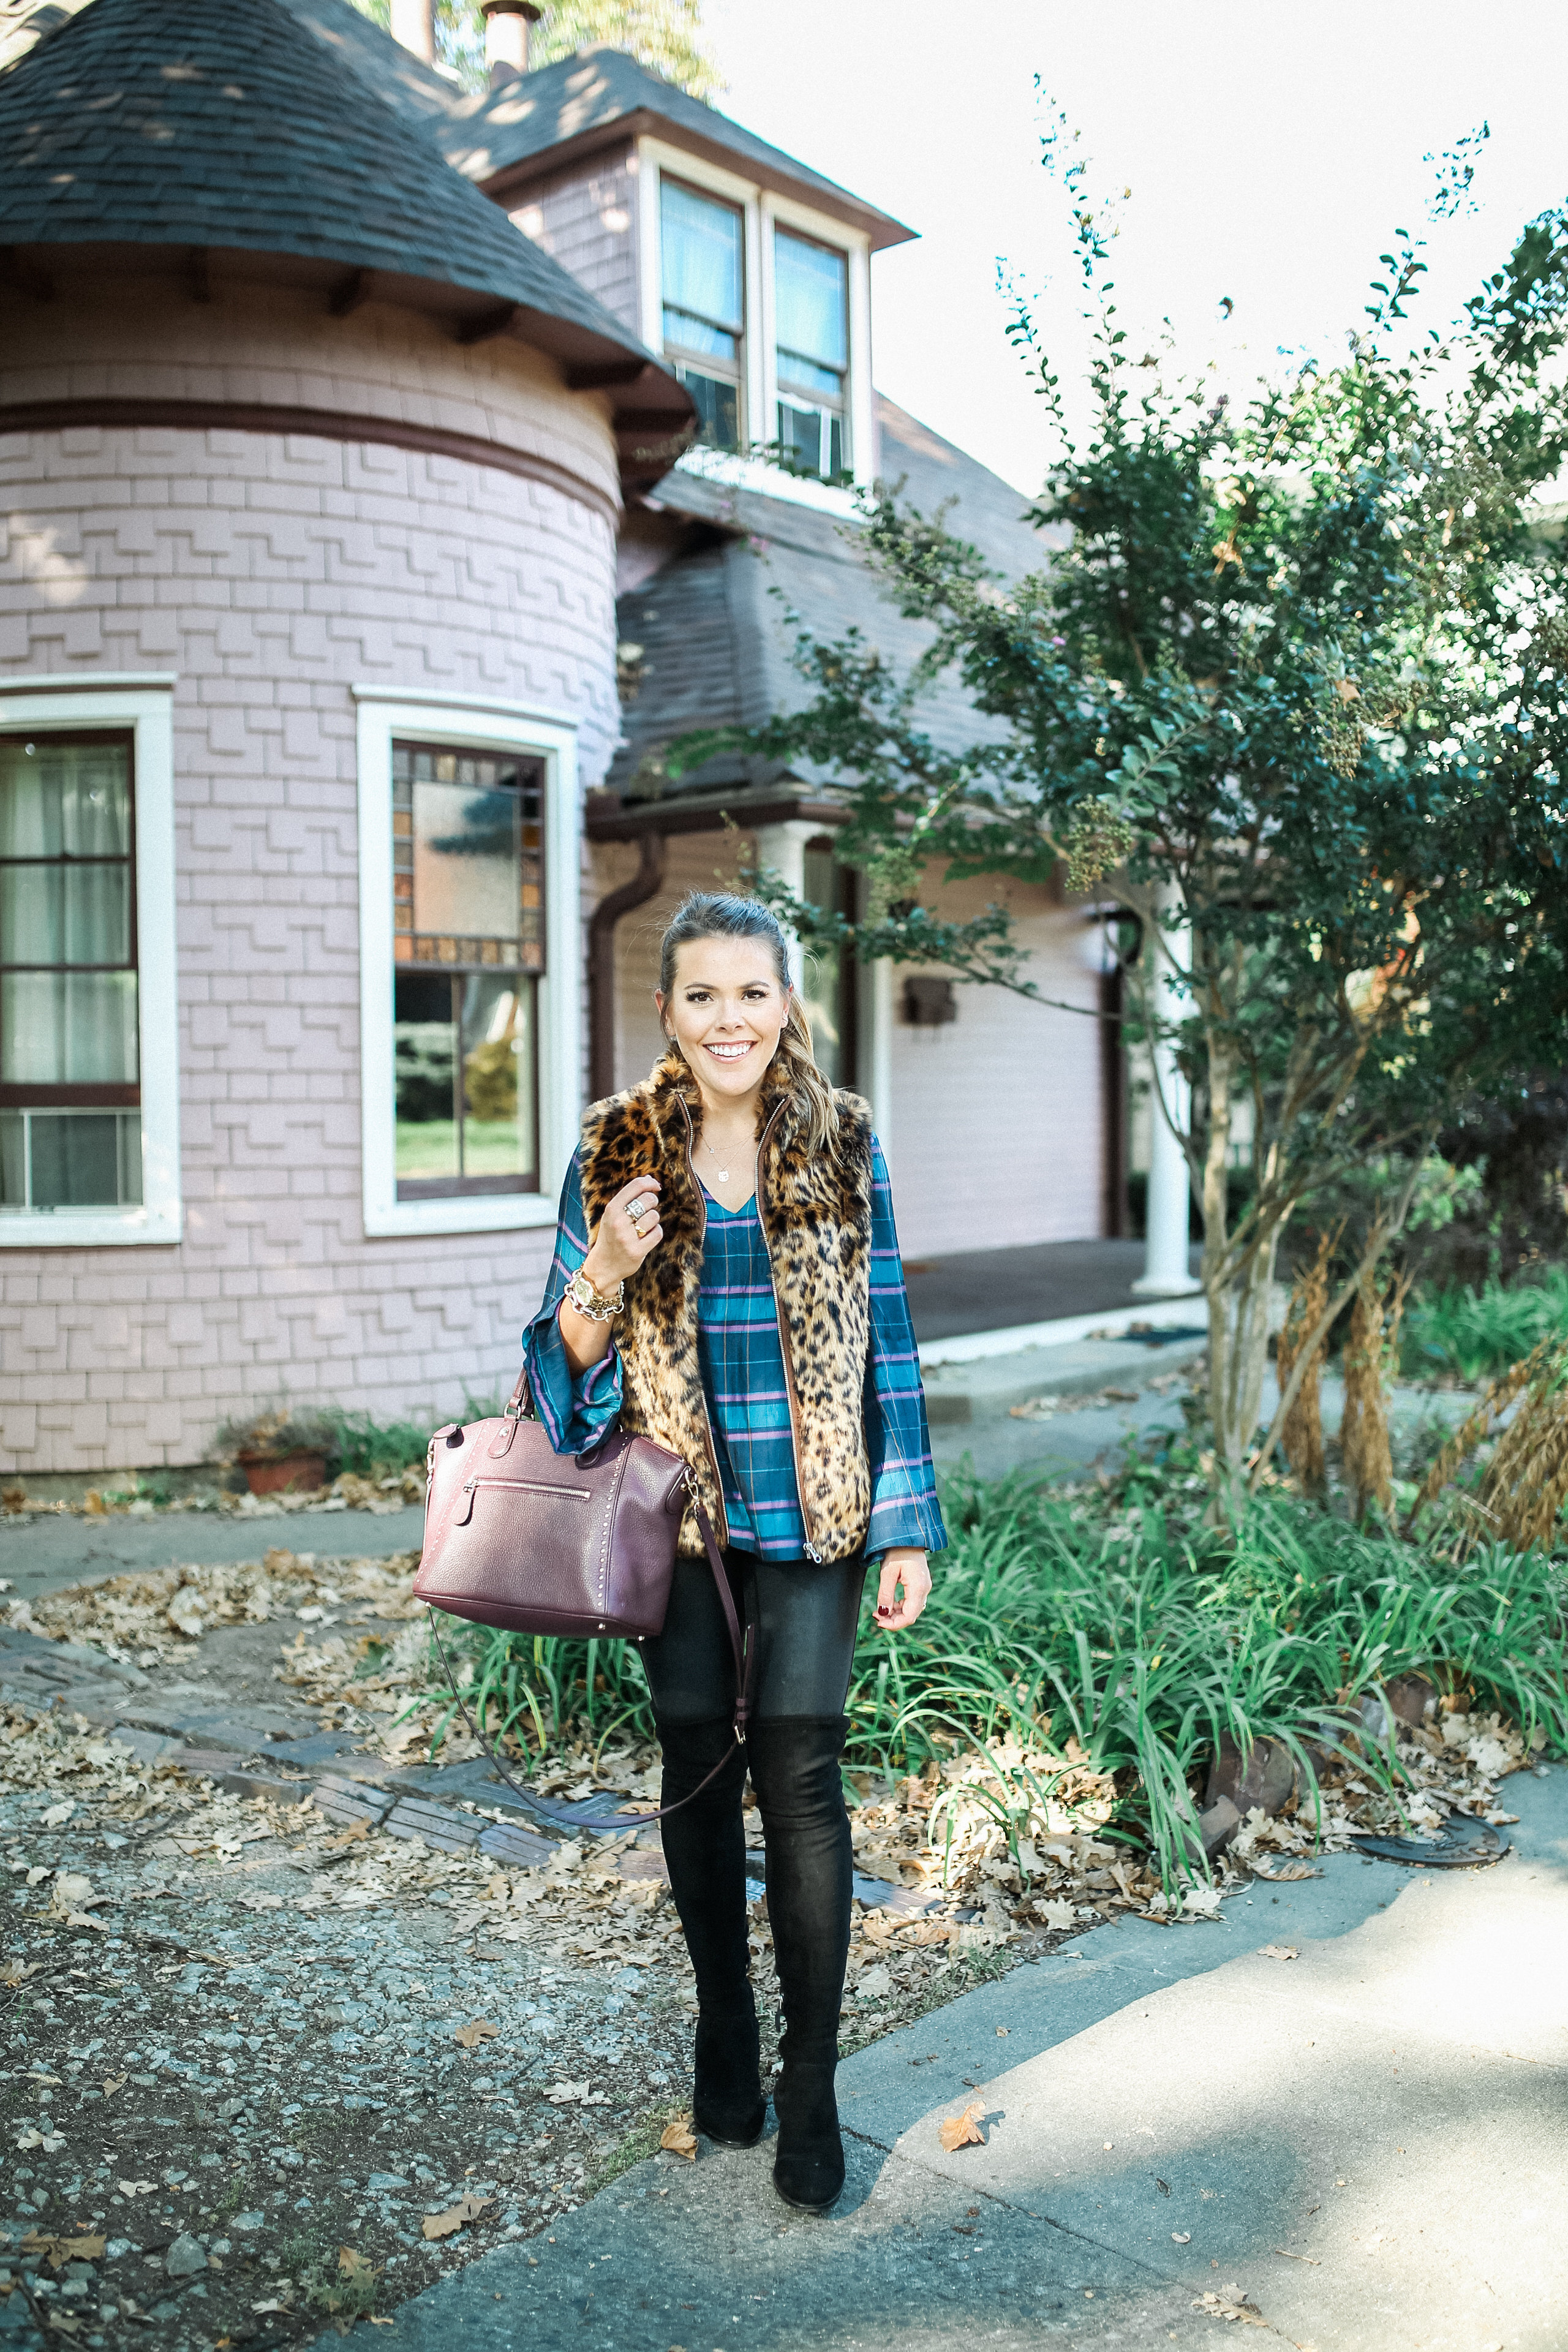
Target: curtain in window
x=65 y=905
x=809 y=286
x=700 y=245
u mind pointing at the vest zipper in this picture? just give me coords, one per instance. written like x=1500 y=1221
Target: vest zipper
x=812 y=1552
x=697 y=1193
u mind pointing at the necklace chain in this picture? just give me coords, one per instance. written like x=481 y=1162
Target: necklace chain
x=713 y=1156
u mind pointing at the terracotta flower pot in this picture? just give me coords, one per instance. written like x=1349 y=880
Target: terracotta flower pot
x=275 y=1474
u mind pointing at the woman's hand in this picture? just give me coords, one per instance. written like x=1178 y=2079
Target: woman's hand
x=628 y=1230
x=908 y=1568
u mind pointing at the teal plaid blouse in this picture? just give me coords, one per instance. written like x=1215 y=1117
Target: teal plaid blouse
x=743 y=1381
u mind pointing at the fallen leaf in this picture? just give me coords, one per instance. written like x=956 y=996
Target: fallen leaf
x=469 y=2037
x=1202 y=1902
x=964 y=2130
x=348 y=1836
x=67 y=2322
x=680 y=2138
x=136 y=2188
x=376 y=2320
x=261 y=1902
x=1057 y=1913
x=57 y=2252
x=73 y=1892
x=48 y=2141
x=1181 y=2237
x=456 y=2217
x=1231 y=2302
x=113 y=2083
x=57 y=1815
x=575 y=2094
x=272 y=2303
x=1290 y=1870
x=15 y=1972
x=875 y=1983
x=1279 y=1952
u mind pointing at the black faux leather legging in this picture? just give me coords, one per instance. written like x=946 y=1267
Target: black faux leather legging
x=804 y=1618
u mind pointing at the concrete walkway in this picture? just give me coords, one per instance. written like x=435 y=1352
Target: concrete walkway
x=1369 y=2140
x=45 y=1553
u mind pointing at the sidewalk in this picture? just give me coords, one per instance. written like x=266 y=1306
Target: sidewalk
x=989 y=1290
x=1338 y=2115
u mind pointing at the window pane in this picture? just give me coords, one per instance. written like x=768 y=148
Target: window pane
x=467 y=861
x=71 y=1160
x=805 y=376
x=810 y=285
x=425 y=1061
x=697 y=335
x=800 y=437
x=700 y=253
x=67 y=1028
x=718 y=407
x=65 y=914
x=64 y=799
x=498 y=1077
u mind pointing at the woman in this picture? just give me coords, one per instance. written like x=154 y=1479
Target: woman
x=727 y=1282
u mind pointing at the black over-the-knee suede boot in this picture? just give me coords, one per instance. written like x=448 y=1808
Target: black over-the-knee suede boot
x=705 y=1850
x=795 y=1770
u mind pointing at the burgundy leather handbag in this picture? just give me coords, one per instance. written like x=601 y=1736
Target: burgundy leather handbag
x=580 y=1545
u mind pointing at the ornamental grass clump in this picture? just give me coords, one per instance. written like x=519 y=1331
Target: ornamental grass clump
x=1475 y=1335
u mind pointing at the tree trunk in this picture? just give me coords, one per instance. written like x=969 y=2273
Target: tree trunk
x=1239 y=1354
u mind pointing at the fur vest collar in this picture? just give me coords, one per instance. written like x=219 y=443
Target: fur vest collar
x=815 y=1213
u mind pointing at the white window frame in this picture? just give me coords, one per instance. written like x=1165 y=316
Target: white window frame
x=143 y=703
x=479 y=723
x=761 y=208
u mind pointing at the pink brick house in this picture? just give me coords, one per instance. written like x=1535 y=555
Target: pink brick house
x=328 y=874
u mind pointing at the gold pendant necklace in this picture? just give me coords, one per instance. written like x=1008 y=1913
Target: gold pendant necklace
x=713 y=1156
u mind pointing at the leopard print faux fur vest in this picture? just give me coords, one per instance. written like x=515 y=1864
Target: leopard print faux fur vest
x=815 y=1212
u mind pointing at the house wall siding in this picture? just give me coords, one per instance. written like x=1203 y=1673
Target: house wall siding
x=585 y=219
x=270 y=573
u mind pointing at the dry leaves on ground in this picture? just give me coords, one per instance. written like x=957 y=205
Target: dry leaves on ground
x=456 y=2217
x=1231 y=2302
x=57 y=2252
x=1279 y=1952
x=680 y=2138
x=967 y=2130
x=469 y=2037
x=153 y=1614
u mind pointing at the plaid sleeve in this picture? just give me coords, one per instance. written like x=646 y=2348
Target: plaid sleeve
x=575 y=1408
x=904 y=1508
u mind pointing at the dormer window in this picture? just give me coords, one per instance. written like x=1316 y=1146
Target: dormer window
x=811 y=309
x=704 y=306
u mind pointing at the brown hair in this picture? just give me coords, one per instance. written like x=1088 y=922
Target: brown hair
x=720 y=915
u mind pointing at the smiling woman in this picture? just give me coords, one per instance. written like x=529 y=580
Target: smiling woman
x=727 y=1282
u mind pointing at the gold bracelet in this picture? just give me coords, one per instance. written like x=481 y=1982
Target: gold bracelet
x=583 y=1296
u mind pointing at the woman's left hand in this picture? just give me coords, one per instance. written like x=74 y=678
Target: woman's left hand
x=908 y=1568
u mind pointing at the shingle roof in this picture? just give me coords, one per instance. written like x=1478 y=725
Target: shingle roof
x=715 y=641
x=232 y=126
x=600 y=91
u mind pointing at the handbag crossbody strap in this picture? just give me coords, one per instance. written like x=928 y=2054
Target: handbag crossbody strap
x=614 y=1824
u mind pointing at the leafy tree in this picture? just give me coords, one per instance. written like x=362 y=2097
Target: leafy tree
x=1290 y=701
x=665 y=35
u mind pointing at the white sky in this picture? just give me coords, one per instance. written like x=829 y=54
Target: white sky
x=1272 y=147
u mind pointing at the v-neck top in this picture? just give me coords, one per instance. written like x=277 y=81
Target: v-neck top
x=741 y=1361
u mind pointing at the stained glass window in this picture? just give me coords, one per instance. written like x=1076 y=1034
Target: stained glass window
x=468 y=950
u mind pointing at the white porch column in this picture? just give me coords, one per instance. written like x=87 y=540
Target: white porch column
x=1166 y=1267
x=782 y=849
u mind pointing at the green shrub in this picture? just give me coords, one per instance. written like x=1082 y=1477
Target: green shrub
x=1145 y=1638
x=1475 y=1334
